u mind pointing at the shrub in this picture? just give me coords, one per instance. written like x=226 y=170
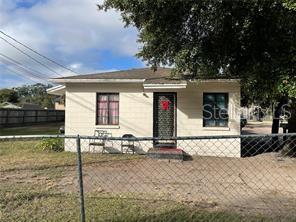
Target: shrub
x=51 y=144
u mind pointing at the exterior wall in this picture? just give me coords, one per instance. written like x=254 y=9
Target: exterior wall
x=190 y=109
x=212 y=147
x=136 y=113
x=135 y=110
x=59 y=106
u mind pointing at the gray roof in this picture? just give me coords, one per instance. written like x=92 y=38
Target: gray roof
x=144 y=73
x=30 y=106
x=8 y=105
x=148 y=75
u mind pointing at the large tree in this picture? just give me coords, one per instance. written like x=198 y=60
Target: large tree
x=8 y=95
x=250 y=39
x=36 y=94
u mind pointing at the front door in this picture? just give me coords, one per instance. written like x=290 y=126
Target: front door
x=164 y=116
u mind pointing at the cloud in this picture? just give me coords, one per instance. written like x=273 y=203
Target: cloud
x=75 y=65
x=71 y=26
x=72 y=32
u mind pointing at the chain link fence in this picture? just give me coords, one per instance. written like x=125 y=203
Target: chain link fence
x=221 y=178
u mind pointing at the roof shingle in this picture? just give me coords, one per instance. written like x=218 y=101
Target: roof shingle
x=144 y=73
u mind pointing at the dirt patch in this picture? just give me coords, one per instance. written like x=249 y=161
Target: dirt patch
x=262 y=184
x=265 y=184
x=258 y=128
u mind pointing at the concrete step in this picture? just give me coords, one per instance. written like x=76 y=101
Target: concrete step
x=166 y=153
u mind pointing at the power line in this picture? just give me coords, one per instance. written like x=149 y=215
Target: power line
x=22 y=75
x=30 y=56
x=23 y=66
x=43 y=56
x=21 y=70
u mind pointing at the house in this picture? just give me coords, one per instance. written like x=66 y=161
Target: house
x=31 y=106
x=27 y=106
x=59 y=102
x=149 y=103
x=8 y=105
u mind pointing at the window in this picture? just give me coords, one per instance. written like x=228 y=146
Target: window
x=107 y=109
x=215 y=110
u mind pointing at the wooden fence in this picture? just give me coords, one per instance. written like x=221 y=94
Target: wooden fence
x=22 y=117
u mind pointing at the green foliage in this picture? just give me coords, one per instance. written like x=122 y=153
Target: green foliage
x=8 y=95
x=51 y=144
x=35 y=94
x=290 y=4
x=250 y=39
x=287 y=86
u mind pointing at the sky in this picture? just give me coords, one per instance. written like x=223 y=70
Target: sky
x=71 y=32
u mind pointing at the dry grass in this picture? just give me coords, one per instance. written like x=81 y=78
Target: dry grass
x=30 y=191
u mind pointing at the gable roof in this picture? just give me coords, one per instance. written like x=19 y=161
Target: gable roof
x=9 y=105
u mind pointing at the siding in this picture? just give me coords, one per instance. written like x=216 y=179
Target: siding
x=136 y=113
x=135 y=109
x=190 y=109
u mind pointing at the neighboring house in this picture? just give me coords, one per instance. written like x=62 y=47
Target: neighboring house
x=59 y=102
x=147 y=103
x=59 y=106
x=8 y=105
x=31 y=106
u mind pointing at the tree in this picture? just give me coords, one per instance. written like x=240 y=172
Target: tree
x=8 y=95
x=249 y=39
x=35 y=94
x=290 y=4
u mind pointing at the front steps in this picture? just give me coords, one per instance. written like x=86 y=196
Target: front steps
x=167 y=153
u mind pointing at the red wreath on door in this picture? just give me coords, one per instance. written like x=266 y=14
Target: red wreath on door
x=165 y=104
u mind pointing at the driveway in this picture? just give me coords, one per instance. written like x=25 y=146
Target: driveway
x=258 y=128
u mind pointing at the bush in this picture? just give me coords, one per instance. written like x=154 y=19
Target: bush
x=51 y=144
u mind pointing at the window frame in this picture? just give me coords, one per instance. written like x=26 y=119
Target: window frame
x=215 y=94
x=108 y=103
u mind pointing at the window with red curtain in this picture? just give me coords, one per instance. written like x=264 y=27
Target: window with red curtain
x=107 y=109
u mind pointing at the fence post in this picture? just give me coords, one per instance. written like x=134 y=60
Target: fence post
x=80 y=178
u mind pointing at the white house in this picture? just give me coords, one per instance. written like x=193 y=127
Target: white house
x=151 y=104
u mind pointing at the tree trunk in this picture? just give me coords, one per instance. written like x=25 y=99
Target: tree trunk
x=276 y=116
x=292 y=120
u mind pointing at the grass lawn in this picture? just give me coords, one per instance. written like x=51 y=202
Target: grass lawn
x=30 y=190
x=45 y=128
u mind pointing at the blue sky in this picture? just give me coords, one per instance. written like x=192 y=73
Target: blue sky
x=72 y=32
